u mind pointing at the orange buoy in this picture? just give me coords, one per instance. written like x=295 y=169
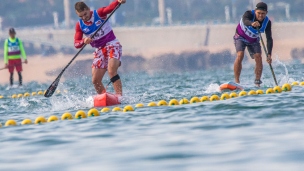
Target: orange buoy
x=231 y=86
x=106 y=99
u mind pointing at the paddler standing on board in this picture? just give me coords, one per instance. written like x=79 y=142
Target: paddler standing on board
x=247 y=35
x=108 y=49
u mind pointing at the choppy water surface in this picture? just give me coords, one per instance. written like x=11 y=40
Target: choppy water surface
x=264 y=132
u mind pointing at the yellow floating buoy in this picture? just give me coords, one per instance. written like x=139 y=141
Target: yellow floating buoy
x=106 y=109
x=243 y=93
x=40 y=120
x=1 y=97
x=26 y=122
x=0 y=125
x=26 y=95
x=34 y=93
x=80 y=114
x=128 y=108
x=296 y=83
x=205 y=98
x=233 y=95
x=139 y=105
x=152 y=104
x=67 y=116
x=40 y=93
x=14 y=96
x=93 y=112
x=259 y=92
x=58 y=91
x=195 y=100
x=286 y=87
x=225 y=96
x=184 y=101
x=214 y=98
x=52 y=118
x=173 y=102
x=20 y=95
x=162 y=103
x=116 y=109
x=252 y=92
x=269 y=91
x=277 y=89
x=302 y=83
x=10 y=123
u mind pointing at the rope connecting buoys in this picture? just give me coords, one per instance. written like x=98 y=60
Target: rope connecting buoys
x=94 y=112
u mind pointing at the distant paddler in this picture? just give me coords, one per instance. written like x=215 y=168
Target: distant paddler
x=108 y=50
x=247 y=35
x=13 y=50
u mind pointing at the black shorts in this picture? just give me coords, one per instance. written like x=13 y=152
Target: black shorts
x=241 y=43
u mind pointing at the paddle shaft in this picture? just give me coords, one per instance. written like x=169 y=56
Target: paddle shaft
x=263 y=44
x=50 y=91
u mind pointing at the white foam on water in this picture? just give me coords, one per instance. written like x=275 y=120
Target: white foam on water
x=212 y=88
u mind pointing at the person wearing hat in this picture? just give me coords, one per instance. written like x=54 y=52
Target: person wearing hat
x=247 y=35
x=13 y=50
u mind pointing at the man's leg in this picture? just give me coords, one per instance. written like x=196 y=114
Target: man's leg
x=97 y=75
x=20 y=78
x=113 y=65
x=258 y=67
x=238 y=66
x=11 y=78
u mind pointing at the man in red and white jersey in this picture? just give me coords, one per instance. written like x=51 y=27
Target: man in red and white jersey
x=108 y=51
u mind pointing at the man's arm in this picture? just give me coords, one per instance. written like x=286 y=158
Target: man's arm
x=104 y=11
x=22 y=49
x=5 y=52
x=268 y=33
x=247 y=18
x=78 y=41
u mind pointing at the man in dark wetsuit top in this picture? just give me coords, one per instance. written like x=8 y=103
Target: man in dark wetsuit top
x=247 y=35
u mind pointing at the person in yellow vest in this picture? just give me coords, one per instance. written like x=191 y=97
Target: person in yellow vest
x=13 y=50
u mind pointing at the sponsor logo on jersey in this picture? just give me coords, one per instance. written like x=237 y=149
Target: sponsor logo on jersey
x=97 y=23
x=86 y=30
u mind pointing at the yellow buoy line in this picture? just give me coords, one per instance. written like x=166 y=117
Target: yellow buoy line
x=27 y=94
x=173 y=102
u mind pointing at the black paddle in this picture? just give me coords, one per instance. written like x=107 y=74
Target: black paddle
x=50 y=91
x=274 y=77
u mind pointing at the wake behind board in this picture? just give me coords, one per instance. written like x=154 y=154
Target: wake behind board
x=231 y=86
x=106 y=99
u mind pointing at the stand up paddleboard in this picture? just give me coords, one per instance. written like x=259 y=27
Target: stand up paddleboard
x=231 y=86
x=106 y=99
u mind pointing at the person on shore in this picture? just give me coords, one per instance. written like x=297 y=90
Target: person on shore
x=13 y=50
x=247 y=35
x=108 y=50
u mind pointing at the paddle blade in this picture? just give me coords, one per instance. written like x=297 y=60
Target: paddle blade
x=51 y=90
